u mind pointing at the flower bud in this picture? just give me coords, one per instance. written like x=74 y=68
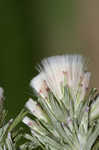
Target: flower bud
x=36 y=110
x=30 y=123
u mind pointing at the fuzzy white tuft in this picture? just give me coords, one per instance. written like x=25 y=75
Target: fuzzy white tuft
x=39 y=84
x=56 y=69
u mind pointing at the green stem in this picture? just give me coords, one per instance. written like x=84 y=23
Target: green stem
x=18 y=119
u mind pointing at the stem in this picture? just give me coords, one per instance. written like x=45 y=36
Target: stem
x=18 y=119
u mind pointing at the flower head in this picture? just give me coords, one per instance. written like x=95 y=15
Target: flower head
x=56 y=69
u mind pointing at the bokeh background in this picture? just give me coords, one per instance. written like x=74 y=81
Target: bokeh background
x=31 y=30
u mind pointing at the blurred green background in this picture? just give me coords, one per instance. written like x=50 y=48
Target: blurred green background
x=31 y=30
